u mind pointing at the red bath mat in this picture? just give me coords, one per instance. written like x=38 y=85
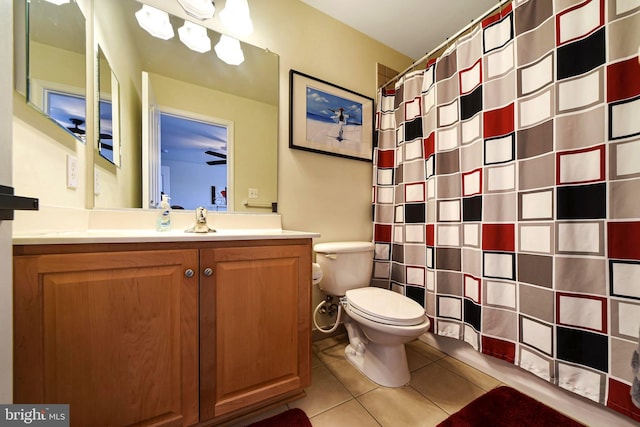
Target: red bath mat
x=507 y=407
x=292 y=418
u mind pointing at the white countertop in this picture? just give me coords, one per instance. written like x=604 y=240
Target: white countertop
x=60 y=225
x=151 y=236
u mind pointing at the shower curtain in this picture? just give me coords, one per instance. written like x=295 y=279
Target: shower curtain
x=506 y=192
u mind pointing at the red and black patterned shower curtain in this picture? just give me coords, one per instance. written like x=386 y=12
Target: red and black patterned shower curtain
x=507 y=192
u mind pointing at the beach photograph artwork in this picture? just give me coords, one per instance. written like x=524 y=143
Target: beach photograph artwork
x=329 y=119
x=333 y=120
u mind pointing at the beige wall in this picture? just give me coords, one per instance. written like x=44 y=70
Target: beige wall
x=326 y=194
x=63 y=69
x=40 y=150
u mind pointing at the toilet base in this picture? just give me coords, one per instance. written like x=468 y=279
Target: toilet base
x=385 y=365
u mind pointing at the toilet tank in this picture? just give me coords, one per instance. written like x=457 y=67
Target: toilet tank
x=345 y=265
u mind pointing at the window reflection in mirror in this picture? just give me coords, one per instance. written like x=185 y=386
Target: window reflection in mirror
x=194 y=156
x=105 y=138
x=56 y=82
x=67 y=110
x=108 y=111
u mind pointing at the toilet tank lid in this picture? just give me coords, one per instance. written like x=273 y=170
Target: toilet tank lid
x=341 y=247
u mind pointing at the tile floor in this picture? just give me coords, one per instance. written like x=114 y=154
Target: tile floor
x=341 y=396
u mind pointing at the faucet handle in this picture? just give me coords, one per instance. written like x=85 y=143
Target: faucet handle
x=201 y=222
x=201 y=214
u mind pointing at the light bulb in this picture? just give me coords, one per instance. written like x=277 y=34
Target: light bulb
x=201 y=9
x=236 y=18
x=228 y=49
x=195 y=37
x=155 y=22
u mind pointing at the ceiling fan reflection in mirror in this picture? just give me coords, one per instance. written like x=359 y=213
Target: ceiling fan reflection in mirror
x=75 y=129
x=76 y=126
x=106 y=142
x=216 y=162
x=81 y=133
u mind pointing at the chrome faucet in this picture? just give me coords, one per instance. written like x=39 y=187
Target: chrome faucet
x=201 y=225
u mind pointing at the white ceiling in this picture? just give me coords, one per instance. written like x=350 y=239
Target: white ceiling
x=412 y=27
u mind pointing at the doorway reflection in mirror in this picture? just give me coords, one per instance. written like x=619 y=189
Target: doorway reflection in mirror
x=194 y=155
x=105 y=140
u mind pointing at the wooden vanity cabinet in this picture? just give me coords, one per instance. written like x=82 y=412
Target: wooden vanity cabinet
x=126 y=334
x=112 y=334
x=255 y=340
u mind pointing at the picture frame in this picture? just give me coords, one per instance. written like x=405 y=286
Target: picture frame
x=328 y=119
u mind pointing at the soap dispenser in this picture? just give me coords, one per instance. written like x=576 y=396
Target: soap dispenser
x=164 y=218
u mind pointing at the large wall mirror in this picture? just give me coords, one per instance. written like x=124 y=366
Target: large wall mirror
x=56 y=64
x=204 y=130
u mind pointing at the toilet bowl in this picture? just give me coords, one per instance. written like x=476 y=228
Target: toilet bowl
x=378 y=321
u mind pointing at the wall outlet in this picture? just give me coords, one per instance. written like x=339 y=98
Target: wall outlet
x=253 y=193
x=72 y=172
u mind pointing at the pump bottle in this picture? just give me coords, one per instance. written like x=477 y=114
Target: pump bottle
x=164 y=218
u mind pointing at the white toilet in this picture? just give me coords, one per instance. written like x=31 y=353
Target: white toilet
x=379 y=321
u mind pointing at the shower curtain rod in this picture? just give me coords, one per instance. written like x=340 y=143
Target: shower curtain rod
x=444 y=43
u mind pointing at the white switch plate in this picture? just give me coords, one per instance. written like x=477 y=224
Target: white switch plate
x=96 y=183
x=253 y=193
x=72 y=172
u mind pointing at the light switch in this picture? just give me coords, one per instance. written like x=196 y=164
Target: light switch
x=96 y=183
x=72 y=172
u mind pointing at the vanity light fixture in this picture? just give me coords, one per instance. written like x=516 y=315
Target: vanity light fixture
x=155 y=22
x=228 y=49
x=195 y=37
x=200 y=9
x=235 y=17
x=58 y=2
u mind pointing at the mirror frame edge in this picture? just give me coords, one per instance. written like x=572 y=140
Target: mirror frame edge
x=90 y=78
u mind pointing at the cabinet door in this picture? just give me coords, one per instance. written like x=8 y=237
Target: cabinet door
x=254 y=326
x=114 y=335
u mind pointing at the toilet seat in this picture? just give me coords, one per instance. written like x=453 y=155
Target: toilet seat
x=384 y=306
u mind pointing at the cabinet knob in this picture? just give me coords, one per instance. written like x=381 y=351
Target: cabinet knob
x=208 y=271
x=189 y=272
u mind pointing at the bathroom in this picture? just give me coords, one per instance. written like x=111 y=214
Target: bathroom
x=324 y=194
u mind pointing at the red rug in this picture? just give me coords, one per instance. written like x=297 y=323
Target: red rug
x=507 y=407
x=292 y=418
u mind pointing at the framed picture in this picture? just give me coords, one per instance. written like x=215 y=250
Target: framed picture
x=328 y=119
